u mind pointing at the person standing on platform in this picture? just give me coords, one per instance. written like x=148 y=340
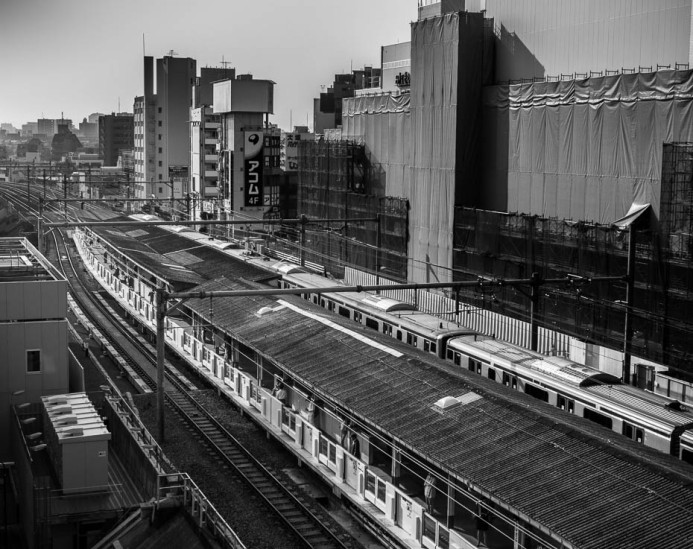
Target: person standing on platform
x=355 y=446
x=430 y=492
x=482 y=519
x=310 y=410
x=280 y=392
x=344 y=434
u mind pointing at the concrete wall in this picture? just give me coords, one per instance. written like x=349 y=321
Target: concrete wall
x=31 y=300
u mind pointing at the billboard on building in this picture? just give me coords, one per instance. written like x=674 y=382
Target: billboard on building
x=290 y=151
x=253 y=164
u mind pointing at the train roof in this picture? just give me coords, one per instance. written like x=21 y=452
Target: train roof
x=187 y=258
x=551 y=369
x=560 y=472
x=662 y=409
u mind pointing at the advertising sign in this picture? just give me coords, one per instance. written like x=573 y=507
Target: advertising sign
x=253 y=164
x=291 y=151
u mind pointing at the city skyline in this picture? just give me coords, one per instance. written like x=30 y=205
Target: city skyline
x=75 y=57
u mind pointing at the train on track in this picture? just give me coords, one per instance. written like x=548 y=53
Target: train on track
x=647 y=418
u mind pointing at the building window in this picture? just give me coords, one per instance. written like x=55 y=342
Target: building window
x=161 y=150
x=160 y=177
x=159 y=137
x=159 y=124
x=33 y=361
x=160 y=163
x=161 y=190
x=159 y=110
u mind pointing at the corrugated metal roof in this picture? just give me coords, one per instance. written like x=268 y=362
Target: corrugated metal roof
x=550 y=466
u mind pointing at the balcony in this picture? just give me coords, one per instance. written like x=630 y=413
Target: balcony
x=211 y=141
x=212 y=125
x=210 y=191
x=211 y=158
x=211 y=174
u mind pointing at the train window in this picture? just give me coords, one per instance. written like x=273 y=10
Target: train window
x=322 y=302
x=315 y=300
x=330 y=306
x=628 y=430
x=536 y=392
x=492 y=374
x=450 y=354
x=412 y=339
x=443 y=538
x=344 y=312
x=381 y=491
x=458 y=359
x=357 y=316
x=596 y=417
x=371 y=323
x=427 y=345
x=565 y=404
x=387 y=329
x=506 y=378
x=632 y=432
x=399 y=335
x=433 y=347
x=370 y=483
x=514 y=382
x=429 y=528
x=686 y=456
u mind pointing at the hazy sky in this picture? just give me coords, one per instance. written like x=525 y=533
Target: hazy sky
x=82 y=56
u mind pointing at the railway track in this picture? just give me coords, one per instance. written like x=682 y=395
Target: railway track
x=296 y=513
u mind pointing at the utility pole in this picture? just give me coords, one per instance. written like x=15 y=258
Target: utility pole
x=377 y=252
x=65 y=193
x=535 y=282
x=28 y=187
x=173 y=203
x=160 y=349
x=44 y=184
x=630 y=294
x=40 y=216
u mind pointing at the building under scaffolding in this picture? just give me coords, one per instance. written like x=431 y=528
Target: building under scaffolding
x=335 y=182
x=515 y=246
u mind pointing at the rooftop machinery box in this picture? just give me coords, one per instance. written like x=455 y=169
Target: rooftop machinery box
x=77 y=442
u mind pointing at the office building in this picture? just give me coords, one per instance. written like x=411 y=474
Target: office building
x=116 y=134
x=162 y=128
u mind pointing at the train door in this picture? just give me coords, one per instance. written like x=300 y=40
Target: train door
x=405 y=517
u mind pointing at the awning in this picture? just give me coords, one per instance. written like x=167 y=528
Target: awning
x=635 y=212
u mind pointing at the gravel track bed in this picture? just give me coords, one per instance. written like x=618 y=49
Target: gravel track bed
x=244 y=511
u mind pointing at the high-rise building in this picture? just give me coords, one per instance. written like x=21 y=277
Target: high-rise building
x=116 y=133
x=162 y=139
x=204 y=141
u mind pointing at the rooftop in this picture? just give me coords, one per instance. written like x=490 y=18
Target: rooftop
x=20 y=261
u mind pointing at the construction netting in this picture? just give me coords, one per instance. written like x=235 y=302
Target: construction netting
x=515 y=246
x=336 y=182
x=583 y=149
